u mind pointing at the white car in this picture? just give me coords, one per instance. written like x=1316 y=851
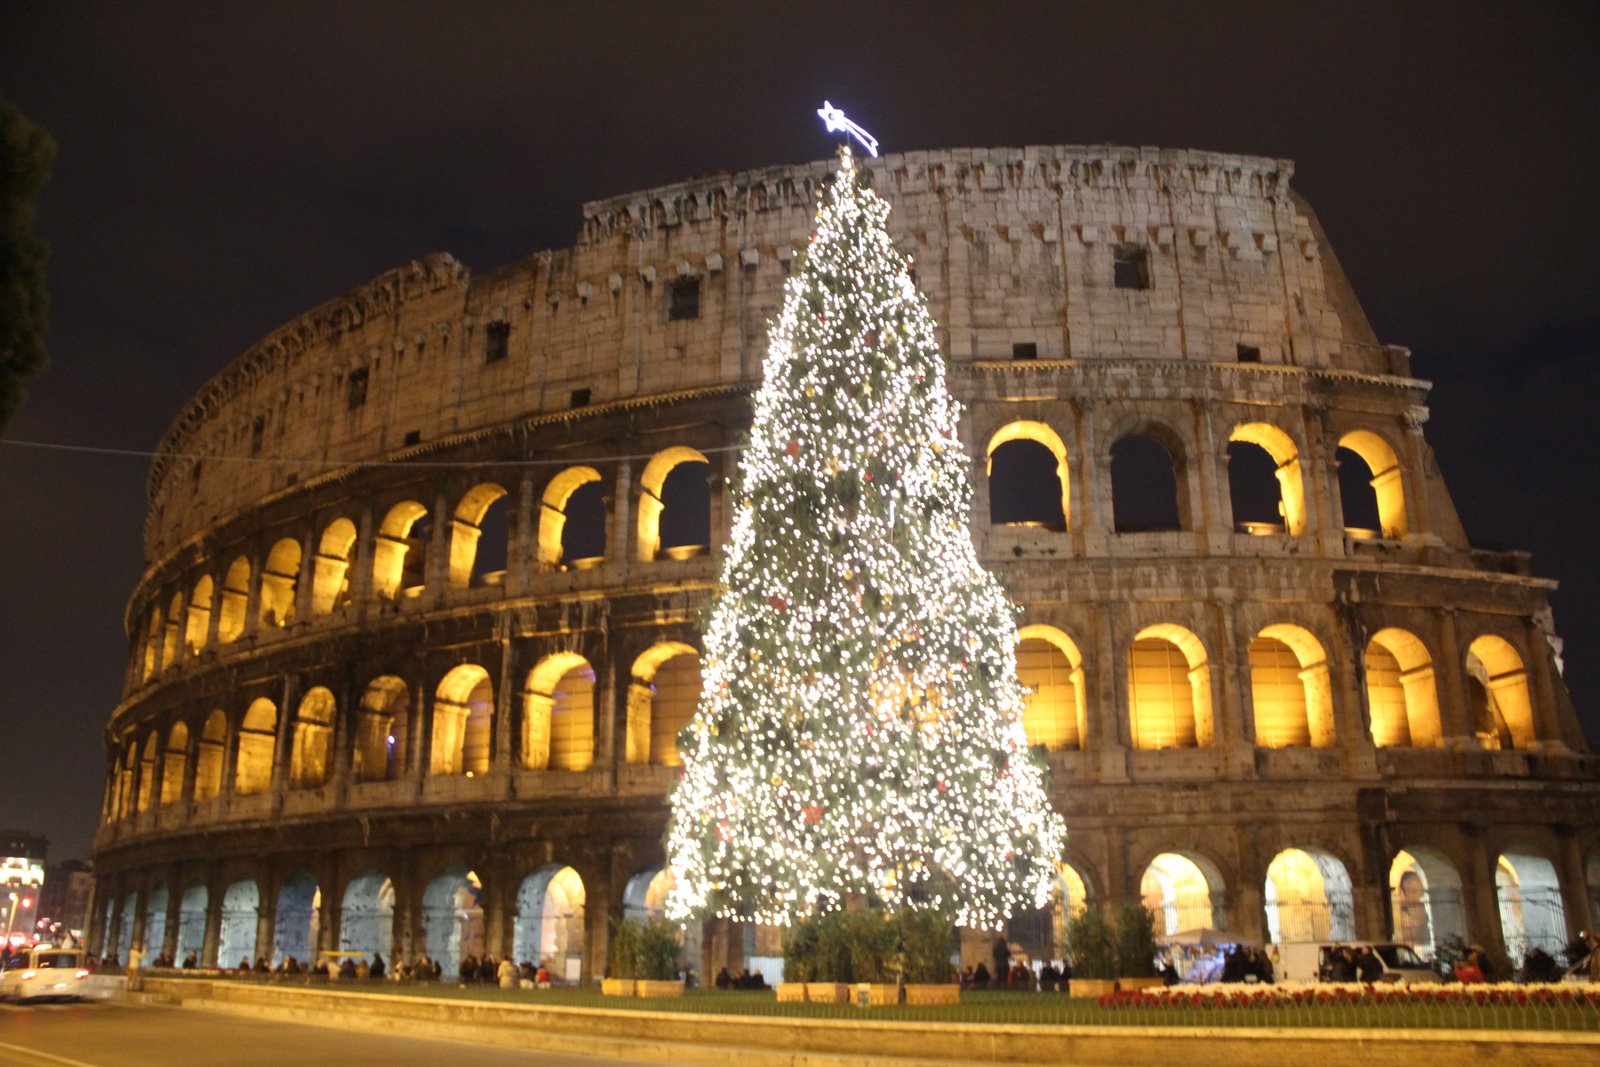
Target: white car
x=43 y=973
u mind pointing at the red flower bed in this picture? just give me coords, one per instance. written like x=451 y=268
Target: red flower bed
x=1210 y=998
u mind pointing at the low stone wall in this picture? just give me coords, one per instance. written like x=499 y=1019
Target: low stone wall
x=756 y=1042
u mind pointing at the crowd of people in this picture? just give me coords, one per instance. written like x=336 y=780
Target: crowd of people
x=743 y=980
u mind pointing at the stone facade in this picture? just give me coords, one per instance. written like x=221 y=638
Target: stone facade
x=313 y=604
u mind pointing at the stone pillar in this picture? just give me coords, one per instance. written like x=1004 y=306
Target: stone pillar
x=1419 y=516
x=1232 y=702
x=1107 y=721
x=283 y=742
x=1246 y=913
x=437 y=573
x=169 y=935
x=1450 y=675
x=620 y=535
x=363 y=555
x=1574 y=877
x=602 y=903
x=213 y=935
x=306 y=580
x=525 y=540
x=1480 y=903
x=330 y=910
x=252 y=600
x=1547 y=719
x=502 y=730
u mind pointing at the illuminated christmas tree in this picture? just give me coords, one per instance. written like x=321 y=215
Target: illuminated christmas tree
x=860 y=727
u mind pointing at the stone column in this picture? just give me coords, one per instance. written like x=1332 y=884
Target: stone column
x=503 y=728
x=169 y=934
x=1479 y=900
x=252 y=600
x=213 y=935
x=437 y=574
x=1450 y=674
x=520 y=561
x=1547 y=719
x=363 y=556
x=1232 y=702
x=1107 y=726
x=1419 y=517
x=1573 y=875
x=1246 y=904
x=305 y=581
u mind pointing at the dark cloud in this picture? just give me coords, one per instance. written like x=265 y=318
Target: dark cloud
x=224 y=167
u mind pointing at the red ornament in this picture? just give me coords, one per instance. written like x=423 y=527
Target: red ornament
x=868 y=476
x=944 y=787
x=793 y=450
x=777 y=603
x=723 y=832
x=813 y=813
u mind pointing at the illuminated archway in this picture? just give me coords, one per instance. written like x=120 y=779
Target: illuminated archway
x=1532 y=914
x=278 y=581
x=1308 y=897
x=147 y=772
x=241 y=915
x=549 y=924
x=558 y=714
x=235 y=601
x=171 y=633
x=192 y=923
x=198 y=629
x=1498 y=685
x=381 y=730
x=654 y=500
x=1402 y=699
x=1009 y=448
x=366 y=914
x=452 y=918
x=474 y=559
x=1290 y=689
x=1183 y=892
x=210 y=757
x=330 y=580
x=312 y=742
x=1051 y=669
x=400 y=551
x=1280 y=447
x=1426 y=906
x=152 y=644
x=1169 y=689
x=463 y=713
x=555 y=536
x=1040 y=934
x=1388 y=487
x=297 y=920
x=1148 y=493
x=661 y=701
x=174 y=763
x=257 y=739
x=155 y=922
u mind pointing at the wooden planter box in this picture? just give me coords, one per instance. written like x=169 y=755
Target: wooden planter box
x=1126 y=984
x=827 y=993
x=656 y=987
x=879 y=994
x=1093 y=987
x=942 y=993
x=616 y=987
x=791 y=992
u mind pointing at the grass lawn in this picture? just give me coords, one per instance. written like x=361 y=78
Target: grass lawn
x=1037 y=1009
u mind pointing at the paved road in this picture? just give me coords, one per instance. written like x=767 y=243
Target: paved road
x=130 y=1035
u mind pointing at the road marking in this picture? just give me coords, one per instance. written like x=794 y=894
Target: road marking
x=49 y=1057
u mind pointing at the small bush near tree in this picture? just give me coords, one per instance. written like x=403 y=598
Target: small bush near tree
x=1090 y=942
x=622 y=954
x=1135 y=941
x=646 y=950
x=869 y=946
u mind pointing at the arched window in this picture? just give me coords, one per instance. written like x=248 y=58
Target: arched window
x=240 y=925
x=400 y=552
x=313 y=740
x=210 y=756
x=147 y=772
x=127 y=781
x=174 y=763
x=1290 y=689
x=366 y=915
x=661 y=701
x=1050 y=668
x=463 y=712
x=1028 y=480
x=549 y=923
x=480 y=537
x=1426 y=907
x=1265 y=481
x=1308 y=897
x=235 y=599
x=169 y=636
x=278 y=580
x=257 y=739
x=152 y=644
x=1146 y=493
x=1529 y=894
x=1370 y=484
x=1180 y=891
x=558 y=714
x=199 y=625
x=452 y=917
x=1402 y=700
x=675 y=505
x=381 y=725
x=330 y=581
x=1498 y=686
x=1169 y=689
x=572 y=520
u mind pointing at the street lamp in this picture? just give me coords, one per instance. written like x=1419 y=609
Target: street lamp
x=11 y=917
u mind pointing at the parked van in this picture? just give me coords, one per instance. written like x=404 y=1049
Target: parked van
x=1311 y=961
x=44 y=972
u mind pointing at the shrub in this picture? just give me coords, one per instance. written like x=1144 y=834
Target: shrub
x=869 y=946
x=1135 y=941
x=622 y=954
x=929 y=941
x=647 y=950
x=1089 y=940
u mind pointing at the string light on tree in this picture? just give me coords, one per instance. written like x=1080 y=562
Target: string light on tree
x=860 y=726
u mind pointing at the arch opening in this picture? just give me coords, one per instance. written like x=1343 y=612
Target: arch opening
x=1050 y=667
x=152 y=645
x=1266 y=483
x=1426 y=906
x=1497 y=684
x=452 y=918
x=312 y=744
x=1145 y=487
x=1402 y=698
x=480 y=537
x=1039 y=935
x=330 y=579
x=1308 y=897
x=241 y=916
x=366 y=914
x=549 y=924
x=279 y=580
x=235 y=601
x=192 y=923
x=1290 y=689
x=171 y=633
x=661 y=701
x=1370 y=486
x=1528 y=893
x=147 y=772
x=257 y=737
x=572 y=520
x=174 y=763
x=381 y=730
x=209 y=757
x=558 y=714
x=1183 y=892
x=1028 y=477
x=198 y=629
x=130 y=913
x=155 y=923
x=298 y=919
x=675 y=505
x=1169 y=689
x=400 y=552
x=463 y=716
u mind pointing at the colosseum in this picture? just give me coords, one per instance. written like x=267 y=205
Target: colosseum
x=417 y=626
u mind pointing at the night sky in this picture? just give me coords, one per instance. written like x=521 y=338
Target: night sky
x=225 y=167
